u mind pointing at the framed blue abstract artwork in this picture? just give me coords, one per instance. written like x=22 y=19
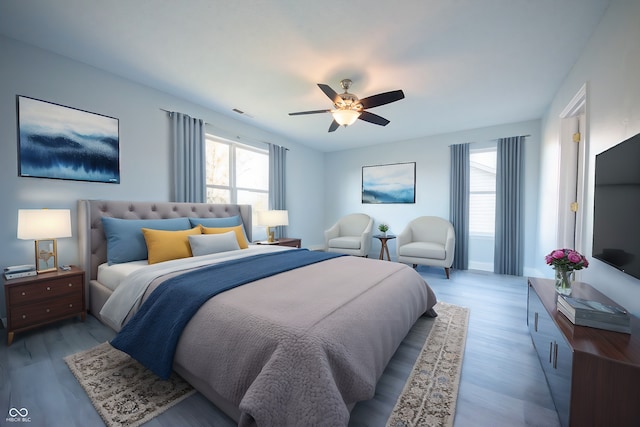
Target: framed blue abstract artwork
x=66 y=143
x=394 y=183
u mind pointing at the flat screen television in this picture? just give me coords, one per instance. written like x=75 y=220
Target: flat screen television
x=616 y=212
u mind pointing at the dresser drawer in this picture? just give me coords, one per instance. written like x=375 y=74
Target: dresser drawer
x=46 y=310
x=45 y=290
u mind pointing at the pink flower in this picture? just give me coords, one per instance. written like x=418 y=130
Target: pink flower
x=566 y=259
x=574 y=257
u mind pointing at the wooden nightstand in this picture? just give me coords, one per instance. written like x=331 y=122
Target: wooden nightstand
x=284 y=241
x=38 y=300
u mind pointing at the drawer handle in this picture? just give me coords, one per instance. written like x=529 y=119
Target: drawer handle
x=47 y=310
x=24 y=293
x=70 y=285
x=48 y=288
x=24 y=316
x=70 y=305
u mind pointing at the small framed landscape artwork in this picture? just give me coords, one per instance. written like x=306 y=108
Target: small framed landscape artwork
x=393 y=183
x=66 y=143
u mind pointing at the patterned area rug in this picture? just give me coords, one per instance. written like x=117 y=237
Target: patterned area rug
x=124 y=392
x=430 y=393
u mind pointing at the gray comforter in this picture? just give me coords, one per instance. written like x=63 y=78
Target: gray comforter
x=300 y=348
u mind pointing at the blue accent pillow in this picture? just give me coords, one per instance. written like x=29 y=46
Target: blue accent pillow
x=229 y=221
x=125 y=241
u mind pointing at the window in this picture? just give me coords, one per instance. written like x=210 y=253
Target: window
x=482 y=207
x=237 y=173
x=482 y=192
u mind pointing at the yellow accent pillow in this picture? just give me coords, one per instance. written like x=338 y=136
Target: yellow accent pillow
x=164 y=245
x=242 y=241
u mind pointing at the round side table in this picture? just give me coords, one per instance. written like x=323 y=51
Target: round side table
x=383 y=240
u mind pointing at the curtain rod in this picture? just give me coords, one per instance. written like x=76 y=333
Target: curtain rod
x=237 y=136
x=171 y=112
x=495 y=139
x=521 y=136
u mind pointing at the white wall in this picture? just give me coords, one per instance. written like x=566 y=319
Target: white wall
x=144 y=148
x=610 y=66
x=343 y=172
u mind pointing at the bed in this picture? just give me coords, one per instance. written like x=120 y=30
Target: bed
x=299 y=347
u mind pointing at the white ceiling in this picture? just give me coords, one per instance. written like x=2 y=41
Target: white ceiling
x=462 y=64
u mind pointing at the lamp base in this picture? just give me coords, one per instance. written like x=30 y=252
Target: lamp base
x=46 y=255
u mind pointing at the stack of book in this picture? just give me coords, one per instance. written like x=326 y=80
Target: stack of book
x=594 y=314
x=17 y=271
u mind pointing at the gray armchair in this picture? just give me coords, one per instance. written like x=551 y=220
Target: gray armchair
x=427 y=240
x=350 y=235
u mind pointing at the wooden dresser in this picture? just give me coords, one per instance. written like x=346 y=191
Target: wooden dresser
x=593 y=374
x=38 y=300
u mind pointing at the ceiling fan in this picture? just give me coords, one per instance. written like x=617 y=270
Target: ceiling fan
x=348 y=108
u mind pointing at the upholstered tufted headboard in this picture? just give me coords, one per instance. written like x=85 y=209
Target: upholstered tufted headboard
x=92 y=240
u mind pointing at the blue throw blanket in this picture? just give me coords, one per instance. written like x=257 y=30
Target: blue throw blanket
x=152 y=334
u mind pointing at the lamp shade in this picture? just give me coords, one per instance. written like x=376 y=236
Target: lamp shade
x=41 y=224
x=273 y=218
x=345 y=117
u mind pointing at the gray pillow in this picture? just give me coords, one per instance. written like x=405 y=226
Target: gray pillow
x=205 y=244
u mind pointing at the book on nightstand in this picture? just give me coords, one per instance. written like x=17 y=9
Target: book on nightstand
x=594 y=314
x=17 y=271
x=10 y=276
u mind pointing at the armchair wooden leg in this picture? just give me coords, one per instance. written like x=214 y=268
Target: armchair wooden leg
x=446 y=270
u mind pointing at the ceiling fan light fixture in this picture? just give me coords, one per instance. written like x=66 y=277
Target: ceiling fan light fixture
x=348 y=108
x=345 y=117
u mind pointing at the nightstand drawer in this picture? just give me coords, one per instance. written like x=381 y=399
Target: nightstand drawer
x=292 y=242
x=45 y=311
x=45 y=290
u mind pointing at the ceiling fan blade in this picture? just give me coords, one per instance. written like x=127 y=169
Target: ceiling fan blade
x=381 y=99
x=334 y=125
x=332 y=94
x=300 y=113
x=373 y=118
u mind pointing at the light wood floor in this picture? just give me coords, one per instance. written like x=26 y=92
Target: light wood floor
x=502 y=382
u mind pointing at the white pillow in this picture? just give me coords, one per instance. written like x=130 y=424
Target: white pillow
x=204 y=244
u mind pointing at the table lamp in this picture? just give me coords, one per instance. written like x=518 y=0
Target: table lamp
x=272 y=219
x=44 y=226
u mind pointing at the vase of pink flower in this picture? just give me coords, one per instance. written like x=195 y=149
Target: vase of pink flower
x=565 y=262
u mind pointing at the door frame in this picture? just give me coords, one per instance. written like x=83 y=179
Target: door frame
x=573 y=118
